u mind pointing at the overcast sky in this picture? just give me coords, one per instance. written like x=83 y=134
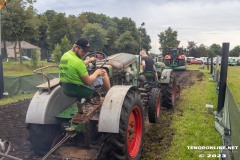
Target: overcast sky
x=202 y=21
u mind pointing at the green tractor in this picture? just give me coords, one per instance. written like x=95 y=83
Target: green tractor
x=175 y=59
x=108 y=126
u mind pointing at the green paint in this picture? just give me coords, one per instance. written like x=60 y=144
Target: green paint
x=69 y=112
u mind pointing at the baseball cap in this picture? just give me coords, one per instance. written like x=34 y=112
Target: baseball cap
x=83 y=43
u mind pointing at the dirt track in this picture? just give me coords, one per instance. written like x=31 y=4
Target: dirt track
x=13 y=127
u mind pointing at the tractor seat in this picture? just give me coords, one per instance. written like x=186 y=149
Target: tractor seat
x=150 y=76
x=76 y=90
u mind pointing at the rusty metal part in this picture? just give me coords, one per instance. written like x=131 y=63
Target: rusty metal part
x=88 y=110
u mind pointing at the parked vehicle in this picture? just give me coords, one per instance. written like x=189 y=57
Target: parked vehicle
x=189 y=59
x=25 y=58
x=204 y=59
x=232 y=62
x=196 y=61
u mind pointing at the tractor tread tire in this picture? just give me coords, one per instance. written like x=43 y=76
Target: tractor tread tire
x=152 y=105
x=115 y=147
x=166 y=92
x=167 y=62
x=42 y=137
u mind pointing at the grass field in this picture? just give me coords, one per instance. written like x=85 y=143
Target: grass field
x=14 y=68
x=233 y=81
x=195 y=125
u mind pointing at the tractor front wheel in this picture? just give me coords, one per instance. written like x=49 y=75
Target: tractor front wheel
x=127 y=144
x=154 y=105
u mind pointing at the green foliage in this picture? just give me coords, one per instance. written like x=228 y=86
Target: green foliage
x=202 y=51
x=145 y=39
x=96 y=35
x=65 y=44
x=168 y=38
x=57 y=54
x=46 y=30
x=75 y=26
x=57 y=29
x=126 y=43
x=217 y=49
x=20 y=21
x=35 y=57
x=235 y=52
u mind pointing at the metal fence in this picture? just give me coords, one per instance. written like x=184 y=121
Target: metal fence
x=227 y=122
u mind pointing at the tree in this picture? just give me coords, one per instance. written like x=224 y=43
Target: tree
x=235 y=52
x=201 y=51
x=101 y=19
x=75 y=27
x=96 y=35
x=65 y=45
x=168 y=38
x=57 y=54
x=34 y=58
x=145 y=39
x=112 y=35
x=126 y=43
x=20 y=22
x=217 y=49
x=192 y=49
x=57 y=29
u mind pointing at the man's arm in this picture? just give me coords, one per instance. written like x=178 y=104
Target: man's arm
x=87 y=61
x=90 y=79
x=143 y=64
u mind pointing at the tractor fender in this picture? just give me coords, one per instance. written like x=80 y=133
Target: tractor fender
x=165 y=76
x=111 y=108
x=44 y=107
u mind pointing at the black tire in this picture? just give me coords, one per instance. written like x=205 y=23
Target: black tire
x=119 y=146
x=181 y=62
x=42 y=137
x=168 y=92
x=167 y=62
x=154 y=105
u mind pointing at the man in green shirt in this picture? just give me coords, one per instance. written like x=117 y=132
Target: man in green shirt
x=72 y=68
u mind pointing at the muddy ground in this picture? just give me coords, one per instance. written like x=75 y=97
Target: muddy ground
x=157 y=138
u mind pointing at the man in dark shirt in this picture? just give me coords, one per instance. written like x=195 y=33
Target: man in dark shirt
x=148 y=63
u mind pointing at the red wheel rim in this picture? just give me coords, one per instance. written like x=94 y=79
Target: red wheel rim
x=158 y=106
x=134 y=131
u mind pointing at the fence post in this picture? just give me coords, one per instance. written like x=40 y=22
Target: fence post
x=211 y=69
x=1 y=65
x=223 y=76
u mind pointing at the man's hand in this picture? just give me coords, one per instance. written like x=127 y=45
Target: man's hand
x=92 y=59
x=101 y=72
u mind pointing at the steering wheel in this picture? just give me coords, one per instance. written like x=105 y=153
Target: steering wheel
x=100 y=56
x=97 y=54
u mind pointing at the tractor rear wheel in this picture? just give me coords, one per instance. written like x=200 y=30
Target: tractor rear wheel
x=42 y=137
x=181 y=62
x=127 y=144
x=154 y=105
x=168 y=92
x=167 y=62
